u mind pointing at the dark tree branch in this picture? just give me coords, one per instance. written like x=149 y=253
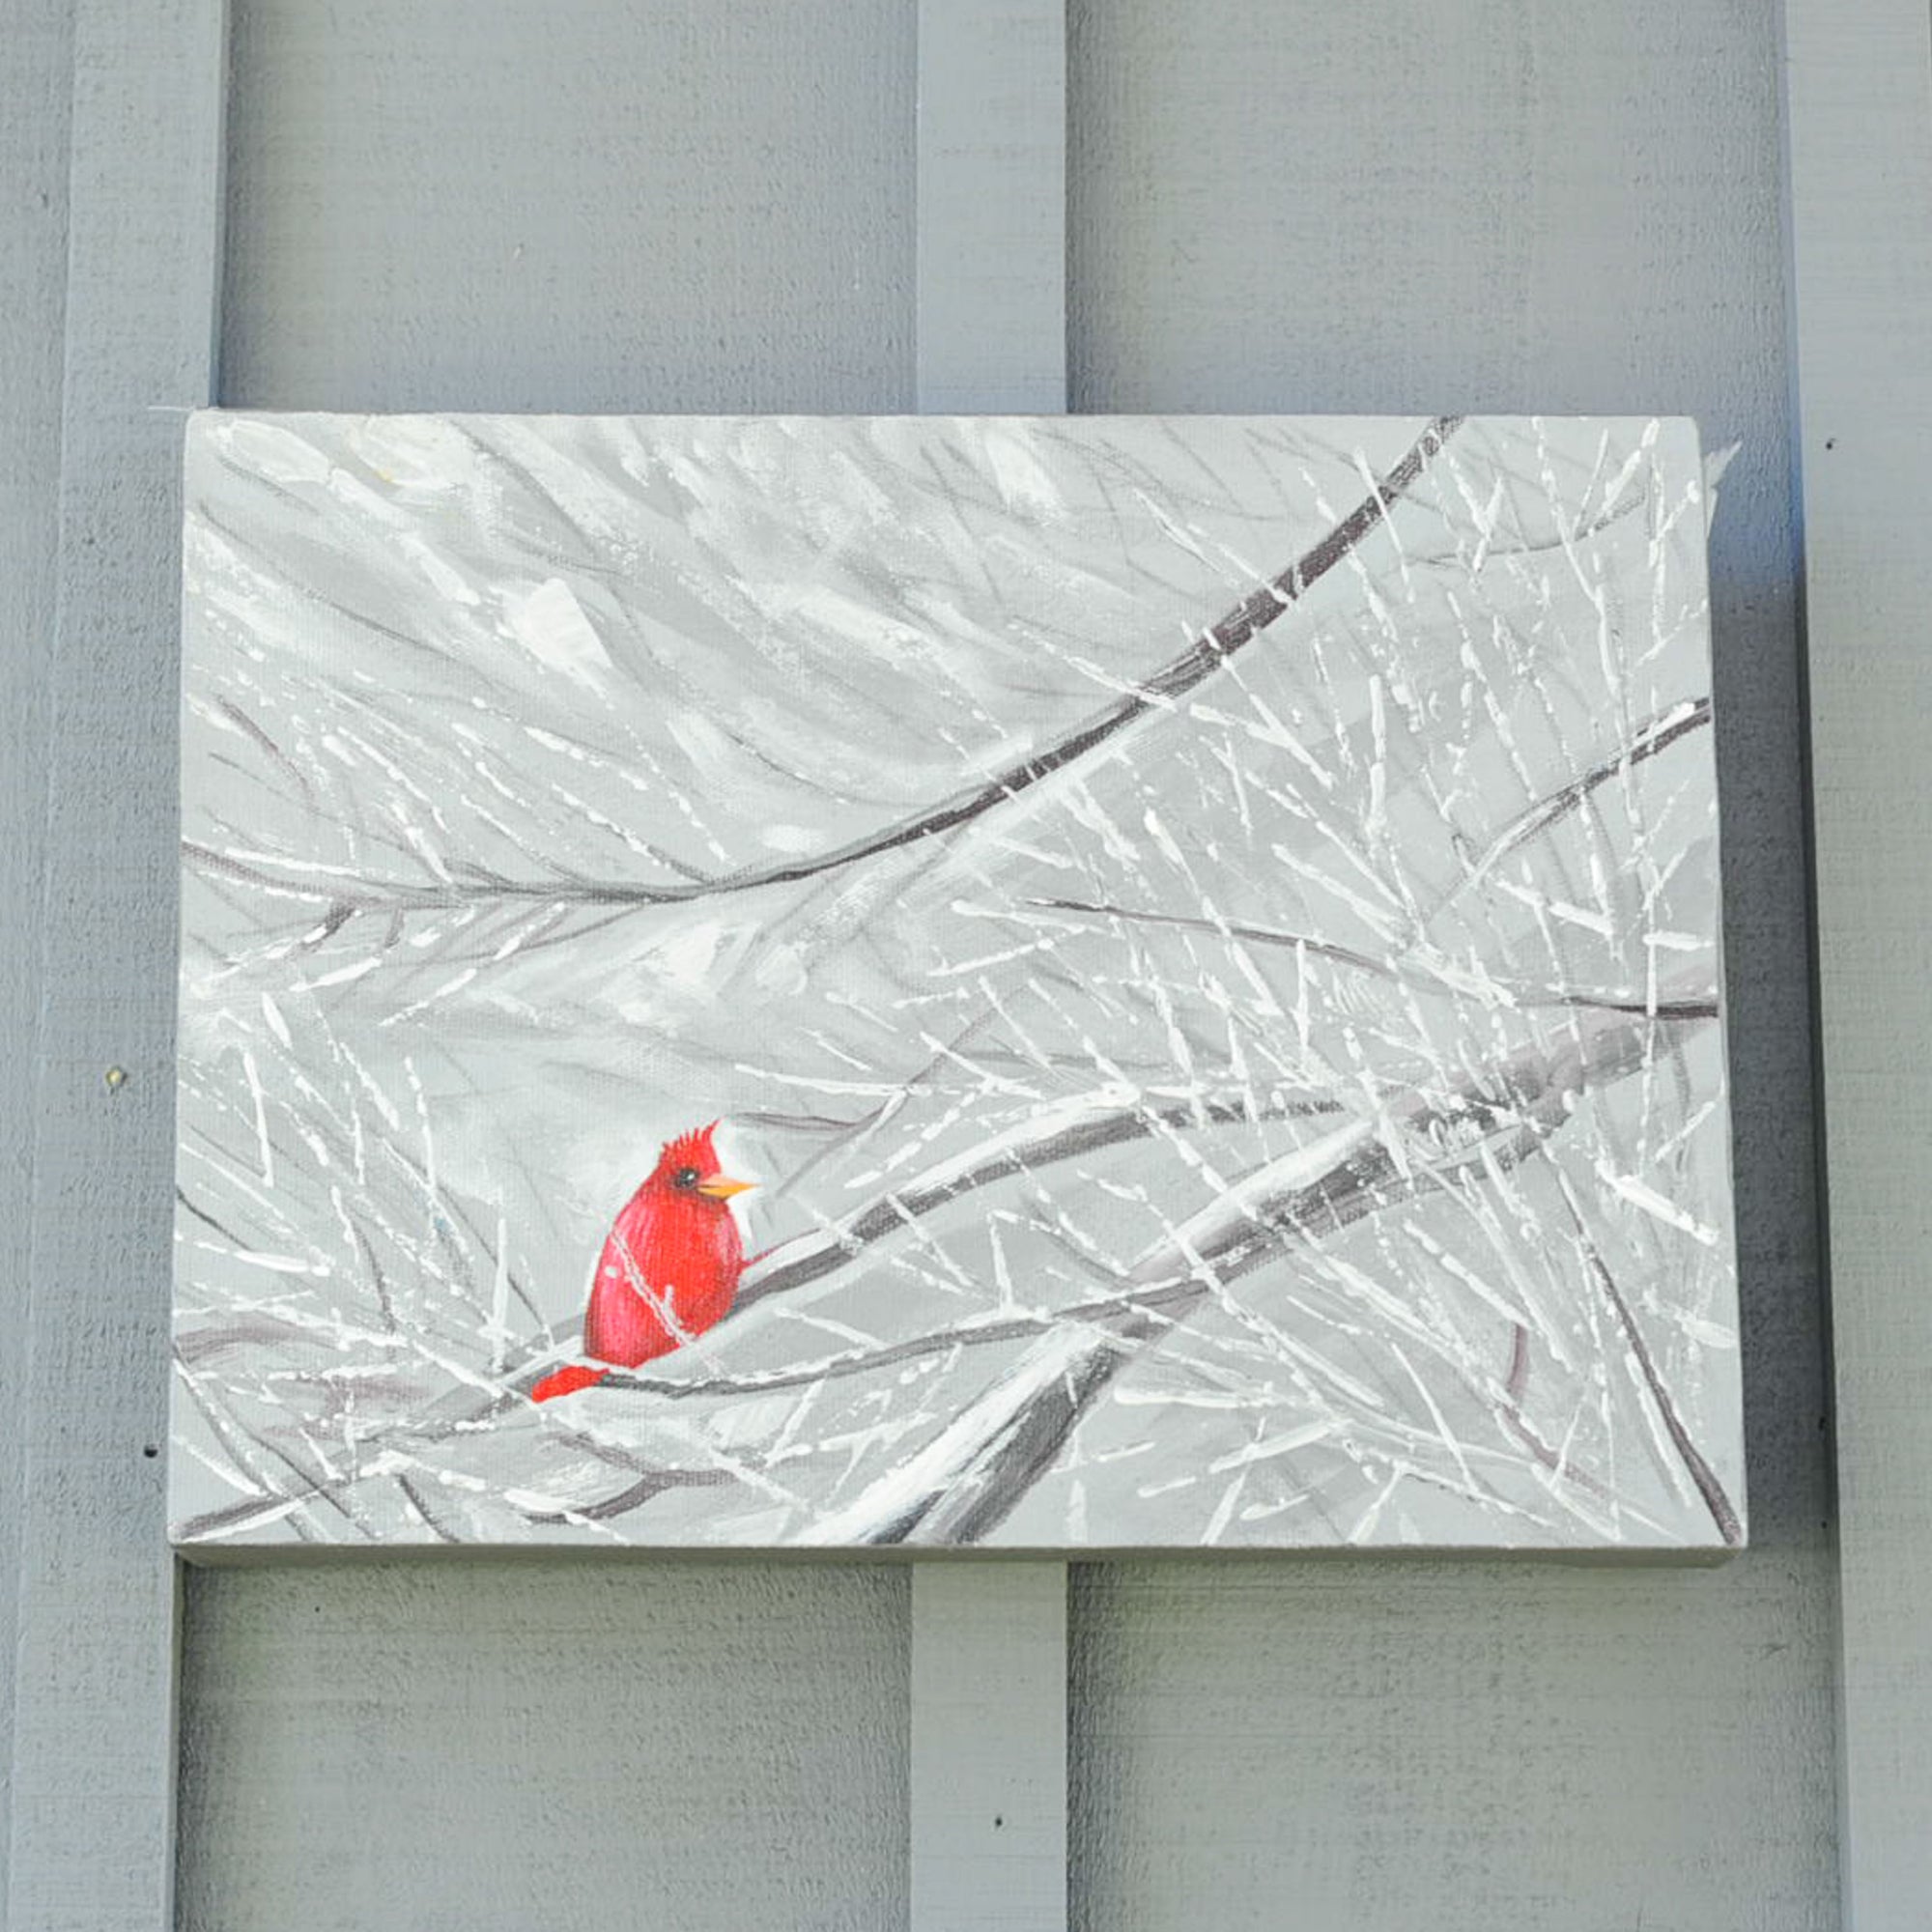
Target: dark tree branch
x=1521 y=999
x=1493 y=1124
x=792 y=1265
x=1208 y=652
x=796 y=1262
x=1656 y=734
x=1499 y=1121
x=646 y=1488
x=1723 y=1513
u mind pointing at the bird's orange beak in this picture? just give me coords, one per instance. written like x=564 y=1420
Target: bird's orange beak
x=722 y=1188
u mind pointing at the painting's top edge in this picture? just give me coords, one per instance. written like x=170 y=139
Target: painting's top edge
x=221 y=1555
x=1499 y=419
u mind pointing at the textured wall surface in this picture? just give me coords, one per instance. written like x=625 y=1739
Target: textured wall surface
x=455 y=1745
x=33 y=270
x=674 y=207
x=1497 y=207
x=1526 y=208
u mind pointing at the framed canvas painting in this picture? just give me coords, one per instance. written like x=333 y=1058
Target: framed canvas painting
x=1072 y=984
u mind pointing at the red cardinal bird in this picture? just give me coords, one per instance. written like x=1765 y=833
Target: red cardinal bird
x=668 y=1269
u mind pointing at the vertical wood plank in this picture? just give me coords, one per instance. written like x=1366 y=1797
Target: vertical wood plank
x=1859 y=124
x=988 y=1772
x=38 y=81
x=991 y=210
x=602 y=206
x=988 y=1747
x=93 y=1756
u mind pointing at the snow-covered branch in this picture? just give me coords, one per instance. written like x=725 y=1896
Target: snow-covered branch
x=1425 y=971
x=1211 y=650
x=976 y=1473
x=1081 y=1125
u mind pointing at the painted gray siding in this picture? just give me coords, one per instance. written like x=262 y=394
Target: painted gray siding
x=1500 y=207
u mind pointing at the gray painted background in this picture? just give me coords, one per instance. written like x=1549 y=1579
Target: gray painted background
x=1497 y=206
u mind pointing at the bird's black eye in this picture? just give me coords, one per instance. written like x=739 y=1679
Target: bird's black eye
x=685 y=1177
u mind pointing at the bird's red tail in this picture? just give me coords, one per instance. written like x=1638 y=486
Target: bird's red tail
x=567 y=1381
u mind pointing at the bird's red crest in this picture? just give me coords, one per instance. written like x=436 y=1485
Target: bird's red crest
x=692 y=1149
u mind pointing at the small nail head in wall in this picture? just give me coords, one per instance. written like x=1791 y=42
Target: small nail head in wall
x=116 y=1078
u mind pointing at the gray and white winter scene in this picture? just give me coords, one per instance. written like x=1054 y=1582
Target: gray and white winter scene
x=1079 y=984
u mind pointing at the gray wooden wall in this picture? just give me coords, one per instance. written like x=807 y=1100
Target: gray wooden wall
x=1502 y=205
